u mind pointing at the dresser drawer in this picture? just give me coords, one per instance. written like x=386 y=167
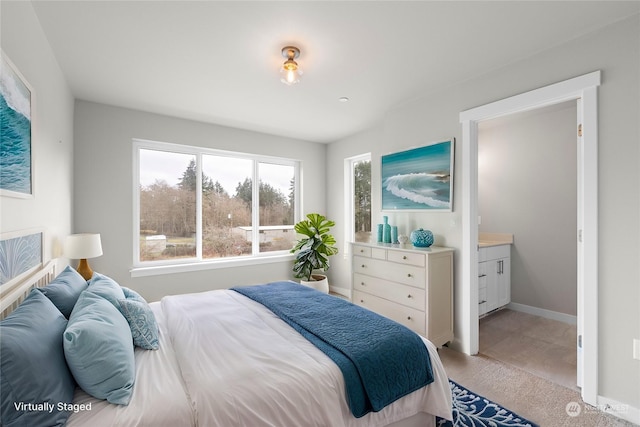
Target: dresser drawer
x=406 y=274
x=407 y=316
x=364 y=251
x=410 y=258
x=402 y=294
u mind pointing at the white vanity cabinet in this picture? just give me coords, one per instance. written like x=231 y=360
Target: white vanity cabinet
x=414 y=287
x=494 y=277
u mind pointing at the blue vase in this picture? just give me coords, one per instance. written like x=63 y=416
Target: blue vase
x=421 y=238
x=386 y=234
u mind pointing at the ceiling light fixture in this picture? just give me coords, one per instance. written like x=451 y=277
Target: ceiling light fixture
x=290 y=70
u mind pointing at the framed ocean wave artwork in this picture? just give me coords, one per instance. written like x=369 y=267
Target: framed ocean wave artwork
x=419 y=179
x=16 y=160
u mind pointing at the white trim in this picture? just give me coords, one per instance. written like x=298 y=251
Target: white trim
x=186 y=267
x=618 y=409
x=547 y=314
x=584 y=87
x=346 y=293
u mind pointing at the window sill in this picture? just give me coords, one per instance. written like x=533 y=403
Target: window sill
x=156 y=270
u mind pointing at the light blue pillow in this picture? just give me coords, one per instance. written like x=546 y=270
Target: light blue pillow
x=64 y=290
x=142 y=322
x=131 y=294
x=99 y=350
x=106 y=287
x=32 y=364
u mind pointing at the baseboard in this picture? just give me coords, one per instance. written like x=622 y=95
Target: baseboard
x=548 y=314
x=340 y=291
x=619 y=410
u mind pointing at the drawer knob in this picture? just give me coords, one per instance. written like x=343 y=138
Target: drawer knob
x=404 y=257
x=361 y=250
x=364 y=266
x=362 y=284
x=408 y=317
x=409 y=296
x=408 y=274
x=362 y=300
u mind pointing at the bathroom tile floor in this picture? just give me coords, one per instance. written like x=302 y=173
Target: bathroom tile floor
x=540 y=346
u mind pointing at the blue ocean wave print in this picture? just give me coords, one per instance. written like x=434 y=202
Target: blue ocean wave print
x=427 y=189
x=15 y=133
x=419 y=178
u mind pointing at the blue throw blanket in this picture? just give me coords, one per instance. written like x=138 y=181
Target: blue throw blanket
x=381 y=360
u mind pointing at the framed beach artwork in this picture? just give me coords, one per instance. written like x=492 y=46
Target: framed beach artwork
x=419 y=179
x=16 y=162
x=21 y=253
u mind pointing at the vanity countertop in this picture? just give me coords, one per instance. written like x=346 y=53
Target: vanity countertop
x=494 y=239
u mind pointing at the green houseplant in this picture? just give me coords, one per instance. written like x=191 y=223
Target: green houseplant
x=313 y=250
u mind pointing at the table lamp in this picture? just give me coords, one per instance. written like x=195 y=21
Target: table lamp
x=82 y=246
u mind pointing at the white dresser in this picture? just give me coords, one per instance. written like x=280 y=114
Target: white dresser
x=412 y=286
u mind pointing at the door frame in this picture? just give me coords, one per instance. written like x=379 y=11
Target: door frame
x=584 y=89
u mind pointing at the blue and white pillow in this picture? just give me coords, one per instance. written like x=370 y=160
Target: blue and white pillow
x=142 y=322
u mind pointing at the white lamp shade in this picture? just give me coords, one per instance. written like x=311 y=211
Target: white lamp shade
x=84 y=245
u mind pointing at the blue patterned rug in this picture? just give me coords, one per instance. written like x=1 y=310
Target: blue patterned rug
x=472 y=410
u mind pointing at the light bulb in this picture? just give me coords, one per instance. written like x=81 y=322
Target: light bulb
x=290 y=75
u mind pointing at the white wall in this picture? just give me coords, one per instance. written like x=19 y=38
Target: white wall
x=52 y=132
x=527 y=186
x=104 y=193
x=616 y=51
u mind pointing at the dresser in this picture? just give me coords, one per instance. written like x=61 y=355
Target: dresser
x=412 y=286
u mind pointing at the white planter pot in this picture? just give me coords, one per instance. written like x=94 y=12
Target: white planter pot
x=320 y=283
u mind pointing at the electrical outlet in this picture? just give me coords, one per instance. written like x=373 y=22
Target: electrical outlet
x=636 y=348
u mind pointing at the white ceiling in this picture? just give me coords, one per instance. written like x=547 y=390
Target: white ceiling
x=219 y=62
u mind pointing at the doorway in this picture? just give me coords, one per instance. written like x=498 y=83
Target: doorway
x=527 y=188
x=584 y=90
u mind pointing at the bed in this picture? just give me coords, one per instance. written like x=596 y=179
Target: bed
x=224 y=359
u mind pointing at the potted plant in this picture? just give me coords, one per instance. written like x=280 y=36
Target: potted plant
x=314 y=250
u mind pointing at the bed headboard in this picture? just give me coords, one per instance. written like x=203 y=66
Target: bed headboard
x=10 y=299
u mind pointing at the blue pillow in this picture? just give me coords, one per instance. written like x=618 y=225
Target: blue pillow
x=106 y=287
x=99 y=350
x=132 y=295
x=64 y=290
x=142 y=322
x=33 y=369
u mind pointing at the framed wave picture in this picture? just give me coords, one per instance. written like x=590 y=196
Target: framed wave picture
x=419 y=179
x=15 y=133
x=21 y=253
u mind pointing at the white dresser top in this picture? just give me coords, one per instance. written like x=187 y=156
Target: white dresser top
x=405 y=247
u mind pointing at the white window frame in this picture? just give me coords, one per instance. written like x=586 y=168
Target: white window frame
x=149 y=268
x=349 y=190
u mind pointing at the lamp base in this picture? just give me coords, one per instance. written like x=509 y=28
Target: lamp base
x=83 y=268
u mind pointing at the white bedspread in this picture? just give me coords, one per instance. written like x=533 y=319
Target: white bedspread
x=225 y=360
x=159 y=395
x=243 y=366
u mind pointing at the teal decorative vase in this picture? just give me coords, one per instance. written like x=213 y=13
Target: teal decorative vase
x=386 y=234
x=421 y=238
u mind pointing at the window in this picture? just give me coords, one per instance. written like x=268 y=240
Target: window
x=358 y=171
x=195 y=205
